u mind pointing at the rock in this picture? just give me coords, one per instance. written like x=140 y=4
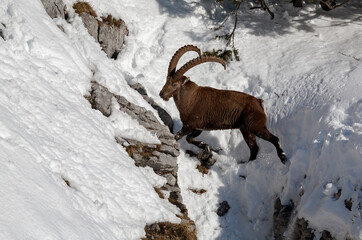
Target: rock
x=162 y=163
x=2 y=27
x=101 y=99
x=161 y=157
x=108 y=32
x=326 y=236
x=223 y=209
x=171 y=180
x=91 y=24
x=165 y=117
x=111 y=37
x=281 y=218
x=302 y=231
x=55 y=8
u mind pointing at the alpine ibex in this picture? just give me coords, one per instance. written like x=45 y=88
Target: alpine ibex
x=206 y=108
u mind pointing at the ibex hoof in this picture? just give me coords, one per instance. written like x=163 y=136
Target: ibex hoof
x=178 y=136
x=283 y=158
x=216 y=150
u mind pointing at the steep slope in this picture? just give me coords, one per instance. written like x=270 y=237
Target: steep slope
x=65 y=177
x=305 y=65
x=63 y=174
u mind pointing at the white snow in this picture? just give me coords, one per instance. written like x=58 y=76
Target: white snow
x=303 y=64
x=49 y=133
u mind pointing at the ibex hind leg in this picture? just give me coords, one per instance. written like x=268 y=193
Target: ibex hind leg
x=266 y=135
x=250 y=140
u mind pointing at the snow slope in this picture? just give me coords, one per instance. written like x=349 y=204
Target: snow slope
x=49 y=133
x=297 y=63
x=301 y=64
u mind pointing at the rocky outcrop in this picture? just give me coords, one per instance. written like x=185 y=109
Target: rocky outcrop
x=287 y=225
x=302 y=231
x=281 y=218
x=55 y=8
x=165 y=117
x=161 y=157
x=108 y=32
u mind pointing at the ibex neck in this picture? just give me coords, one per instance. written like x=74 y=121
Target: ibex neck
x=185 y=96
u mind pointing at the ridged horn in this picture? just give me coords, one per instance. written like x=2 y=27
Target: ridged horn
x=178 y=54
x=194 y=62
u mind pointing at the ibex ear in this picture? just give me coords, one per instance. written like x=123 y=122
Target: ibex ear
x=185 y=81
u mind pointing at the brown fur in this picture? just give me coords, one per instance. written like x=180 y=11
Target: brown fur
x=206 y=108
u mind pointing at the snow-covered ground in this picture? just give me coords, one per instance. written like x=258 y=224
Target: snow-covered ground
x=301 y=63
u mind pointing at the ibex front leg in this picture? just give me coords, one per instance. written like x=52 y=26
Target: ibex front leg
x=191 y=134
x=183 y=132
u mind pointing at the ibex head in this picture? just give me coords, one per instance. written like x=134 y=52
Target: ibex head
x=175 y=79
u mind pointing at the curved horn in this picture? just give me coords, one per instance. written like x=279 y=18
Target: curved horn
x=194 y=62
x=178 y=54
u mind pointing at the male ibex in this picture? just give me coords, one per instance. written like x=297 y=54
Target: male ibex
x=205 y=108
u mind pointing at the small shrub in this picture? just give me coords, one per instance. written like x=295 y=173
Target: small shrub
x=226 y=55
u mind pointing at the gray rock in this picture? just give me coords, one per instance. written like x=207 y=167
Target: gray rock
x=161 y=157
x=2 y=27
x=302 y=231
x=162 y=163
x=109 y=32
x=91 y=24
x=165 y=117
x=169 y=150
x=281 y=218
x=101 y=99
x=55 y=8
x=111 y=37
x=223 y=208
x=171 y=180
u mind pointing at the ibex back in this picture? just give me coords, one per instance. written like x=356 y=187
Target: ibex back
x=206 y=108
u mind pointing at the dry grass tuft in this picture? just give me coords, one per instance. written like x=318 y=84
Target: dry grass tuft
x=109 y=20
x=145 y=151
x=159 y=192
x=84 y=7
x=197 y=191
x=168 y=231
x=202 y=169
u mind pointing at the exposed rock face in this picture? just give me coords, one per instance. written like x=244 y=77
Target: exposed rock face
x=109 y=32
x=165 y=117
x=55 y=8
x=161 y=157
x=281 y=218
x=302 y=231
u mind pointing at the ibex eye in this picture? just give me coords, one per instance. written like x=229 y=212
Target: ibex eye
x=174 y=84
